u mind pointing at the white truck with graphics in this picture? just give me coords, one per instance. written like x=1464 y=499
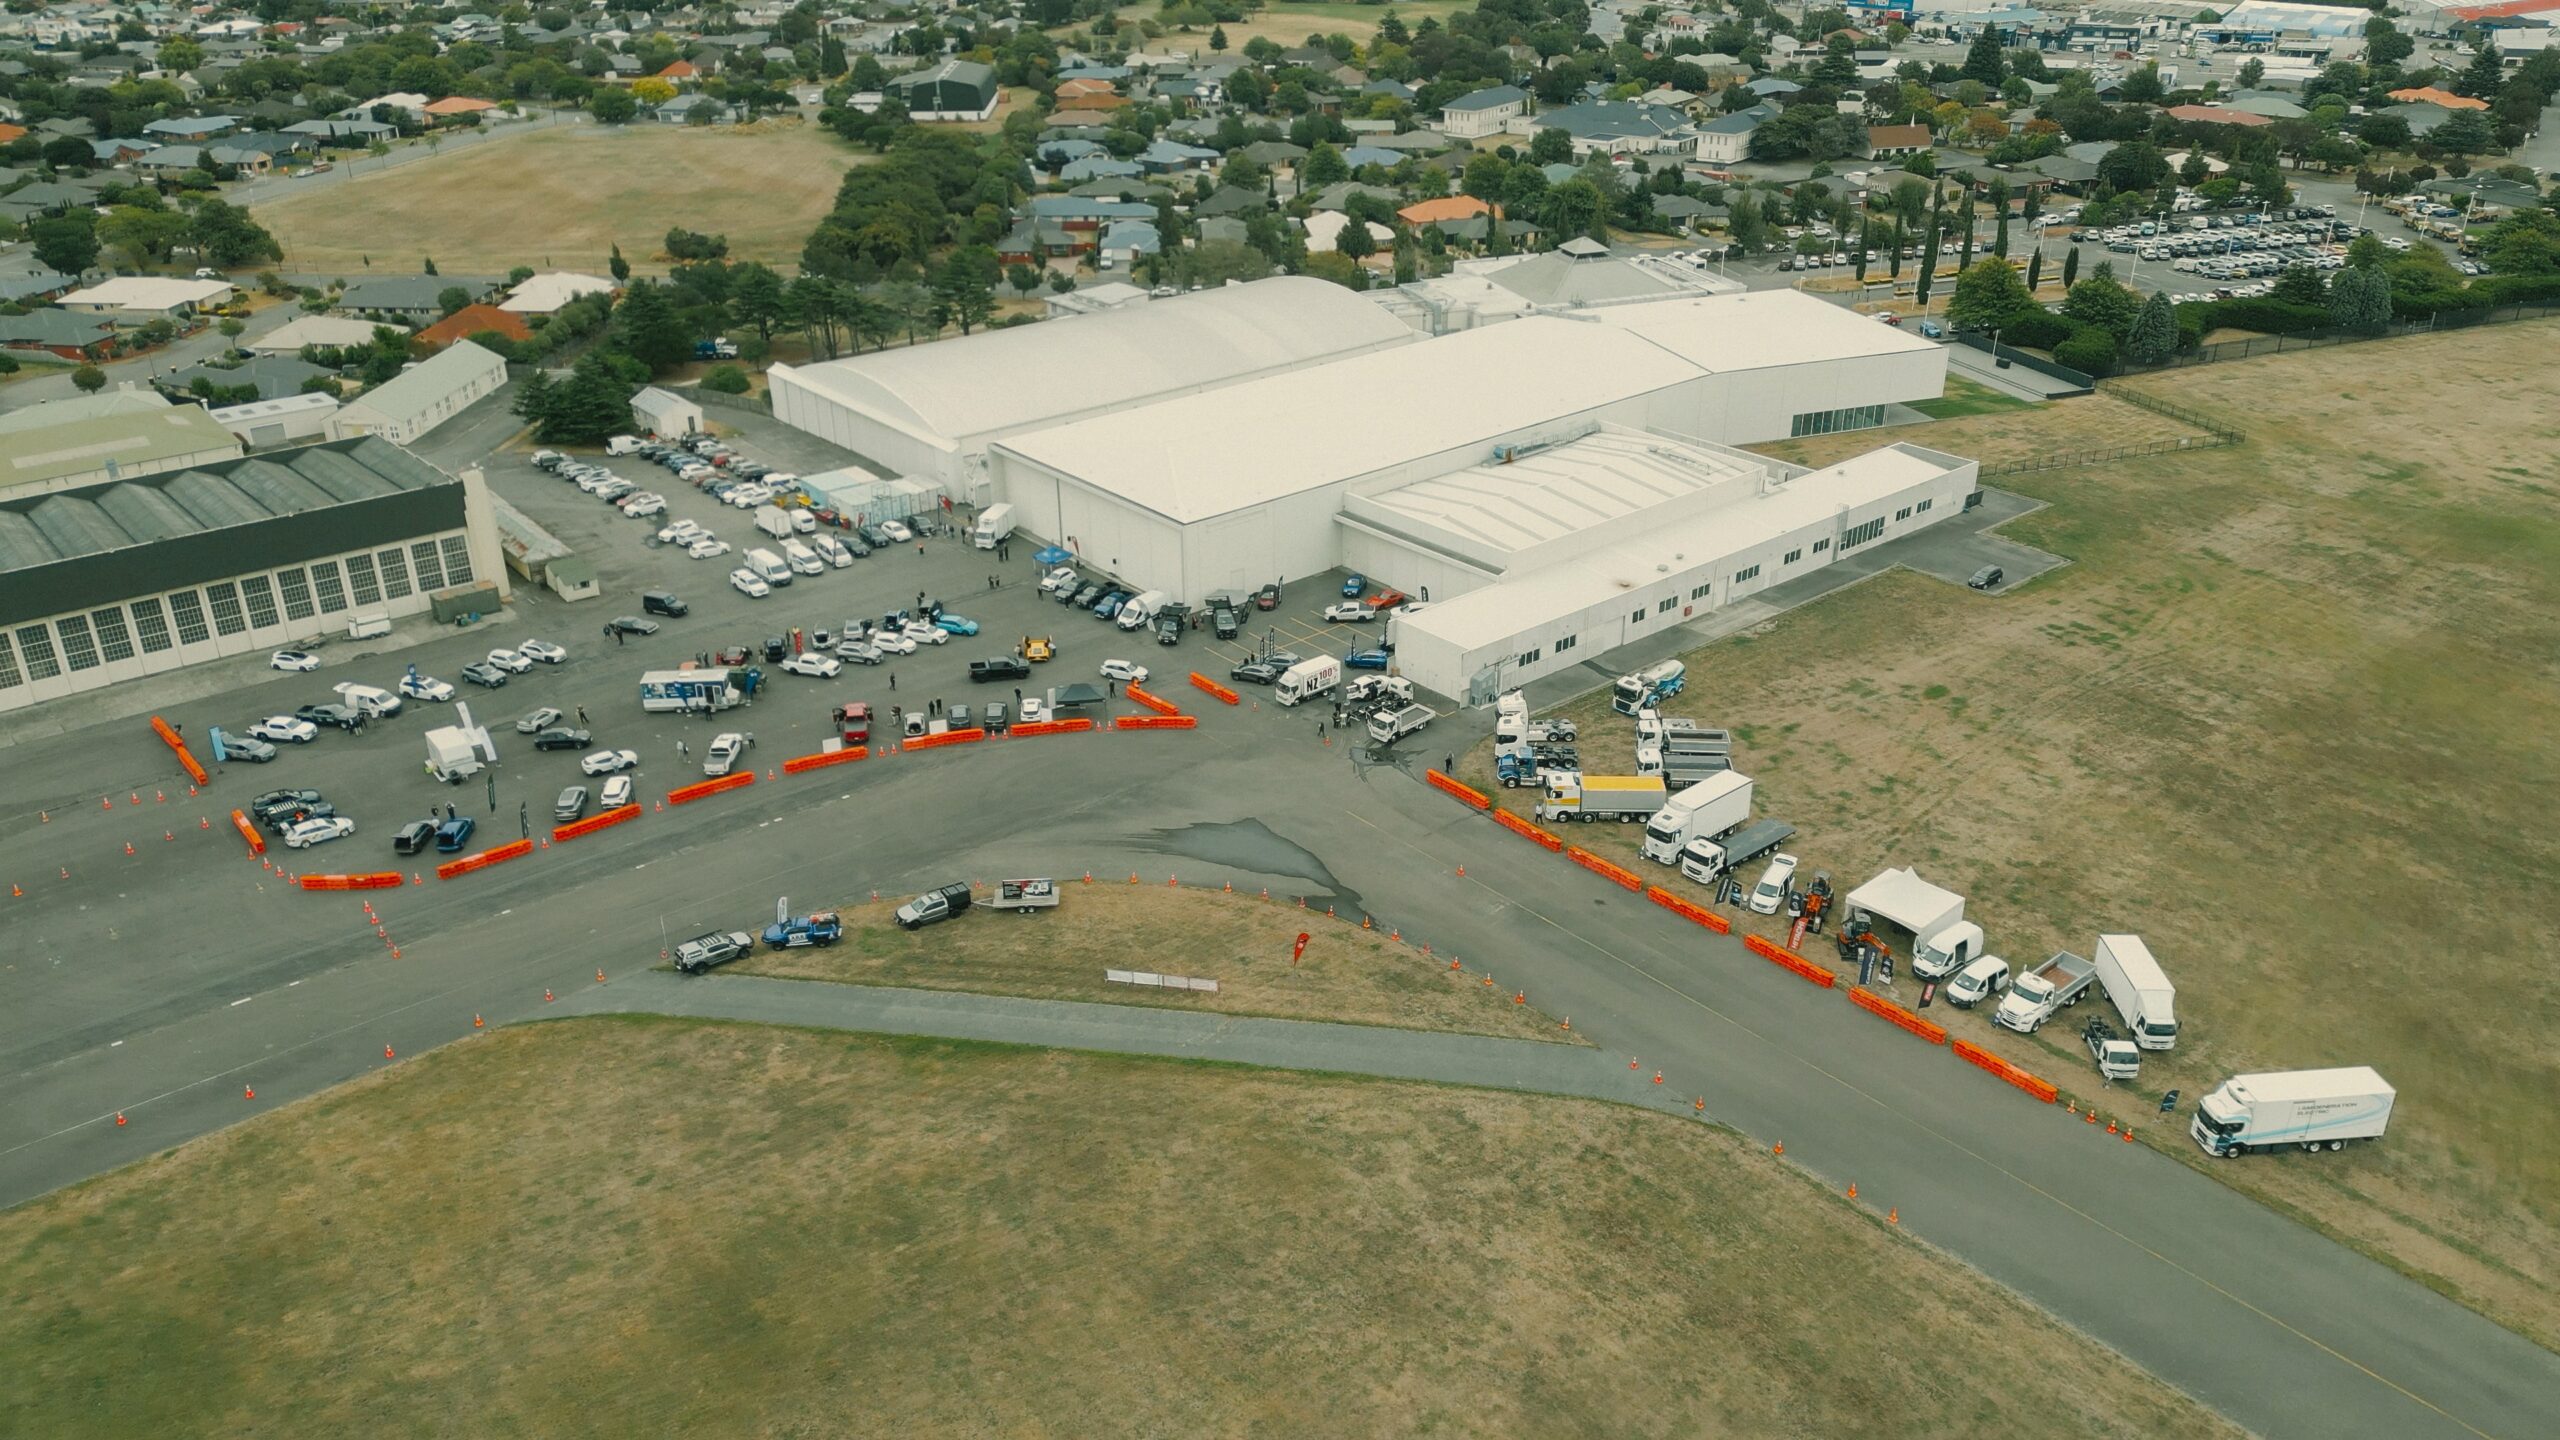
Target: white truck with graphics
x=2314 y=1109
x=1711 y=808
x=1307 y=679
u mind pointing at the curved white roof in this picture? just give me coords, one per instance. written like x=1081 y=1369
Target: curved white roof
x=1056 y=370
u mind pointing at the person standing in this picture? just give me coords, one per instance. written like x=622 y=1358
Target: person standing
x=582 y=714
x=893 y=679
x=683 y=751
x=1319 y=729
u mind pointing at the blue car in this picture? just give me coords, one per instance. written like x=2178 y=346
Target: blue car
x=1352 y=587
x=956 y=624
x=1367 y=659
x=453 y=834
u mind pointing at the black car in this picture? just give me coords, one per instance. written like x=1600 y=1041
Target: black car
x=342 y=716
x=564 y=740
x=281 y=800
x=279 y=821
x=775 y=647
x=455 y=833
x=1083 y=597
x=661 y=602
x=632 y=625
x=1003 y=668
x=1987 y=578
x=413 y=837
x=1223 y=620
x=873 y=536
x=853 y=545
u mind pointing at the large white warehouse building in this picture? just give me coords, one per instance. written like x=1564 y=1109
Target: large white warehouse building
x=928 y=412
x=1538 y=477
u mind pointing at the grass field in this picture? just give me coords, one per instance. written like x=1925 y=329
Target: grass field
x=1964 y=397
x=562 y=197
x=1287 y=23
x=1240 y=941
x=636 y=1227
x=2288 y=716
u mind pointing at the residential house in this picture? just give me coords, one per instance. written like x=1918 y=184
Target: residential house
x=273 y=376
x=1614 y=128
x=1726 y=139
x=1479 y=113
x=2217 y=115
x=1451 y=207
x=2428 y=95
x=1887 y=141
x=458 y=109
x=193 y=129
x=548 y=294
x=473 y=320
x=135 y=298
x=417 y=299
x=1099 y=167
x=696 y=108
x=1126 y=240
x=1357 y=156
x=59 y=333
x=1164 y=157
x=1325 y=227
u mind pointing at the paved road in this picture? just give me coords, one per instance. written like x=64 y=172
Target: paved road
x=159 y=984
x=1477 y=1060
x=138 y=370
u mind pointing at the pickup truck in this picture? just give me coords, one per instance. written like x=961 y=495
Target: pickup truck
x=1025 y=895
x=934 y=905
x=822 y=927
x=718 y=948
x=2036 y=994
x=1388 y=726
x=2116 y=1056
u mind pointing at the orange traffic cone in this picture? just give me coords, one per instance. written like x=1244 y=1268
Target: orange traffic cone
x=477 y=1023
x=1702 y=1104
x=1631 y=1063
x=2128 y=1134
x=546 y=995
x=248 y=1094
x=204 y=822
x=599 y=977
x=1893 y=1216
x=1853 y=1189
x=386 y=1053
x=1657 y=1077
x=128 y=847
x=1462 y=872
x=1521 y=998
x=2090 y=1116
x=1778 y=1149
x=2111 y=1127
x=119 y=1117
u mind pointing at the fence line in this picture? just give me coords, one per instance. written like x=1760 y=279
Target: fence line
x=2222 y=433
x=2281 y=344
x=2070 y=459
x=752 y=404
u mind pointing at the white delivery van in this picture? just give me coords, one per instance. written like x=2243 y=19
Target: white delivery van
x=769 y=567
x=1135 y=613
x=369 y=702
x=831 y=550
x=802 y=559
x=995 y=525
x=622 y=445
x=774 y=521
x=2140 y=989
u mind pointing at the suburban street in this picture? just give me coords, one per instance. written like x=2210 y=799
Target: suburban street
x=164 y=984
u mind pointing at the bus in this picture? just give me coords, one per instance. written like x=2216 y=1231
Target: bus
x=693 y=688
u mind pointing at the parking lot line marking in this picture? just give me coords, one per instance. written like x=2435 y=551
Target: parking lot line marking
x=1922 y=1124
x=243 y=1000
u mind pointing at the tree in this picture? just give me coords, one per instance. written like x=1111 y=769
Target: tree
x=726 y=379
x=2035 y=270
x=2070 y=266
x=67 y=243
x=429 y=265
x=2301 y=285
x=2465 y=132
x=2101 y=302
x=756 y=298
x=591 y=405
x=1987 y=296
x=620 y=267
x=965 y=286
x=1929 y=252
x=2360 y=300
x=650 y=330
x=1323 y=166
x=1218 y=37
x=2154 y=336
x=1550 y=146
x=452 y=298
x=1985 y=61
x=2133 y=165
x=226 y=235
x=613 y=105
x=2143 y=86
x=70 y=152
x=2089 y=350
x=651 y=91
x=180 y=54
x=2483 y=76
x=89 y=378
x=2525 y=243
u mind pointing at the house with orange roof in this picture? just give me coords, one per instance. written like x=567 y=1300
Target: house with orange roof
x=454 y=108
x=680 y=70
x=471 y=320
x=2442 y=99
x=1451 y=207
x=2216 y=115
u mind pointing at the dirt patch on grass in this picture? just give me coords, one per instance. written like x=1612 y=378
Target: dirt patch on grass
x=645 y=1227
x=1240 y=941
x=2288 y=717
x=562 y=197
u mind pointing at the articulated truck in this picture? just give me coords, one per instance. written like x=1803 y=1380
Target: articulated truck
x=2315 y=1109
x=1703 y=859
x=1649 y=687
x=1572 y=795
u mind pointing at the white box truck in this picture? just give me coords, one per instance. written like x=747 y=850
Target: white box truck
x=769 y=567
x=994 y=527
x=2315 y=1109
x=1136 y=611
x=2140 y=989
x=1307 y=679
x=775 y=521
x=802 y=559
x=1712 y=808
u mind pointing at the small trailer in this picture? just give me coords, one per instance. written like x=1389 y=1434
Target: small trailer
x=1024 y=895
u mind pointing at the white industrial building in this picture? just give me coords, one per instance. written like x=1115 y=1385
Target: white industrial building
x=405 y=407
x=1551 y=467
x=930 y=411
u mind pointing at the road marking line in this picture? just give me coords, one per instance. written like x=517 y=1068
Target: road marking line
x=1922 y=1124
x=243 y=1000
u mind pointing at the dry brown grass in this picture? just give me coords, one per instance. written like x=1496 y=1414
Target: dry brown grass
x=562 y=197
x=634 y=1227
x=1240 y=941
x=2288 y=716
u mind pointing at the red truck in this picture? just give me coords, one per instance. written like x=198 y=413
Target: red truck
x=853 y=721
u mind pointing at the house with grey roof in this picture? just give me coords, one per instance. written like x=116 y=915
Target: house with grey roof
x=1479 y=113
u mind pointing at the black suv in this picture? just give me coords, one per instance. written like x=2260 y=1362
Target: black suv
x=563 y=740
x=662 y=602
x=1223 y=620
x=342 y=716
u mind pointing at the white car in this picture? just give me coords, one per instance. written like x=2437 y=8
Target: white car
x=682 y=532
x=723 y=754
x=542 y=650
x=1062 y=576
x=284 y=729
x=749 y=584
x=1351 y=611
x=614 y=489
x=308 y=833
x=895 y=641
x=593 y=481
x=511 y=661
x=1771 y=892
x=1034 y=710
x=615 y=794
x=810 y=662
x=1124 y=671
x=926 y=633
x=425 y=687
x=644 y=505
x=707 y=547
x=606 y=762
x=897 y=531
x=298 y=661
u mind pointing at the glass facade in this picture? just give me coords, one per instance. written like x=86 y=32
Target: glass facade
x=1831 y=422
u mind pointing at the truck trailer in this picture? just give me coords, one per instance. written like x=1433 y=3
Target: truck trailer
x=2315 y=1109
x=1703 y=859
x=1572 y=795
x=2140 y=989
x=1708 y=809
x=1025 y=895
x=1649 y=687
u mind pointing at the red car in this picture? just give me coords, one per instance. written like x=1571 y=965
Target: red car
x=734 y=655
x=1386 y=600
x=853 y=721
x=1267 y=598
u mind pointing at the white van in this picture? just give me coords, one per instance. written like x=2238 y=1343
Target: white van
x=769 y=567
x=804 y=561
x=831 y=550
x=622 y=445
x=803 y=521
x=369 y=702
